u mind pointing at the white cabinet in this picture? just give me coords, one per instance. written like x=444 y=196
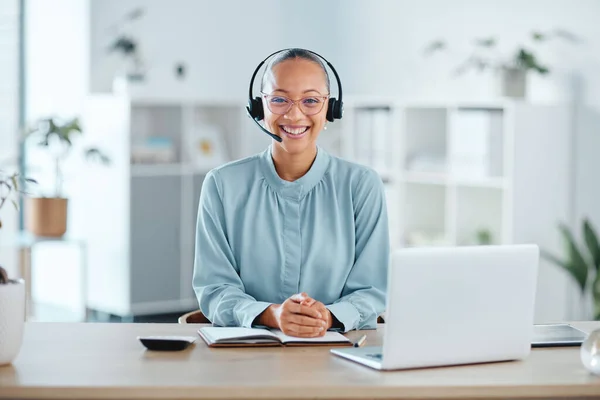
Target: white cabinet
x=139 y=214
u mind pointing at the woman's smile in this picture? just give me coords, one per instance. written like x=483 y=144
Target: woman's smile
x=294 y=131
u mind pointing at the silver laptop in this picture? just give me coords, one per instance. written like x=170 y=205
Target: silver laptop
x=455 y=305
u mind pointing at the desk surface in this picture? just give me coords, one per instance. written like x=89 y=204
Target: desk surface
x=60 y=360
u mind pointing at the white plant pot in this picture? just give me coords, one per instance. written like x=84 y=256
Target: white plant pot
x=12 y=319
x=513 y=83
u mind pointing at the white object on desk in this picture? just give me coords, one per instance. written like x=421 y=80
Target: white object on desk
x=590 y=352
x=12 y=319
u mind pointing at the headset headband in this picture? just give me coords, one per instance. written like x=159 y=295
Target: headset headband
x=335 y=106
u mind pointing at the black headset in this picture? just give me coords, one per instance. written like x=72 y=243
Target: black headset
x=335 y=107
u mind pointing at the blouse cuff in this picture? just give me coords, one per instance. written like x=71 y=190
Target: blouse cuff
x=346 y=313
x=247 y=312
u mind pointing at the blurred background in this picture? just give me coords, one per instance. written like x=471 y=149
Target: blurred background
x=481 y=116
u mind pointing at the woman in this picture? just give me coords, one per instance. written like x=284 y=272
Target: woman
x=293 y=238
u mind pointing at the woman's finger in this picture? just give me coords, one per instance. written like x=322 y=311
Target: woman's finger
x=296 y=308
x=301 y=330
x=300 y=297
x=300 y=319
x=309 y=302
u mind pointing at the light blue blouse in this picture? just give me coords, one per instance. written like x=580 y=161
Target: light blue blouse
x=261 y=239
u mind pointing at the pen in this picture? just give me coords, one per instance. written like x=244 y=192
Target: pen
x=360 y=341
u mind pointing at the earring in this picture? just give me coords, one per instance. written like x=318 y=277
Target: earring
x=325 y=128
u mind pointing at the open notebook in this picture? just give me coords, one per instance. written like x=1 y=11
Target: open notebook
x=237 y=337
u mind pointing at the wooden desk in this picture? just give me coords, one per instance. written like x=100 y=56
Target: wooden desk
x=93 y=361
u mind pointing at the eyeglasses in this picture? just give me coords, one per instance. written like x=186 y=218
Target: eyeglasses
x=309 y=105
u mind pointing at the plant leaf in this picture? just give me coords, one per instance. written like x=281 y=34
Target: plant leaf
x=95 y=154
x=596 y=297
x=591 y=240
x=538 y=36
x=576 y=263
x=552 y=258
x=567 y=35
x=486 y=42
x=14 y=182
x=135 y=14
x=435 y=46
x=542 y=70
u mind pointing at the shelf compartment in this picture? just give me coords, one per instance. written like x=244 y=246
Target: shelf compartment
x=478 y=210
x=424 y=215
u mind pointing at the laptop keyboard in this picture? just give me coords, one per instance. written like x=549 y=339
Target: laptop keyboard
x=377 y=356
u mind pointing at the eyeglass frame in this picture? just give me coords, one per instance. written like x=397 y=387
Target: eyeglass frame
x=294 y=102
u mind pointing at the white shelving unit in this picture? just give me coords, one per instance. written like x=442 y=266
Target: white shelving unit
x=144 y=264
x=458 y=168
x=440 y=189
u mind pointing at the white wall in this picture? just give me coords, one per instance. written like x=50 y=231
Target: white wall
x=57 y=73
x=57 y=43
x=221 y=42
x=57 y=70
x=395 y=33
x=376 y=45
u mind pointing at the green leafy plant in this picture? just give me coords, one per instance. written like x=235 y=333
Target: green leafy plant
x=582 y=261
x=125 y=44
x=10 y=189
x=57 y=137
x=485 y=54
x=484 y=236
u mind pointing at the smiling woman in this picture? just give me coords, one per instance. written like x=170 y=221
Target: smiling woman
x=293 y=238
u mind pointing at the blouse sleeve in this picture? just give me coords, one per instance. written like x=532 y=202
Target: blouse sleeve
x=363 y=296
x=216 y=280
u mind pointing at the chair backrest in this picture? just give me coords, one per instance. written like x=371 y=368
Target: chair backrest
x=193 y=317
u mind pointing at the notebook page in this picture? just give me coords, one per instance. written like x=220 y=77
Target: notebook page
x=227 y=334
x=329 y=337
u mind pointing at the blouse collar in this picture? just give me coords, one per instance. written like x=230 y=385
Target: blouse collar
x=298 y=188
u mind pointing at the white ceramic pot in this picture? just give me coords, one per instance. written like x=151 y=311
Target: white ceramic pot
x=590 y=352
x=513 y=83
x=12 y=319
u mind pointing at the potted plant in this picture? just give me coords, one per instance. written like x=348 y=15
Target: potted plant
x=125 y=44
x=513 y=68
x=47 y=215
x=582 y=262
x=12 y=292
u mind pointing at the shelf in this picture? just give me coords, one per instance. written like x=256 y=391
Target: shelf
x=478 y=209
x=143 y=170
x=490 y=182
x=423 y=215
x=425 y=178
x=387 y=176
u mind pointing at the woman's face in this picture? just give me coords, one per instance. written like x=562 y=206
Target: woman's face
x=296 y=79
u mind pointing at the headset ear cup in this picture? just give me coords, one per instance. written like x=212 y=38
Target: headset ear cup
x=334 y=109
x=339 y=109
x=256 y=109
x=331 y=109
